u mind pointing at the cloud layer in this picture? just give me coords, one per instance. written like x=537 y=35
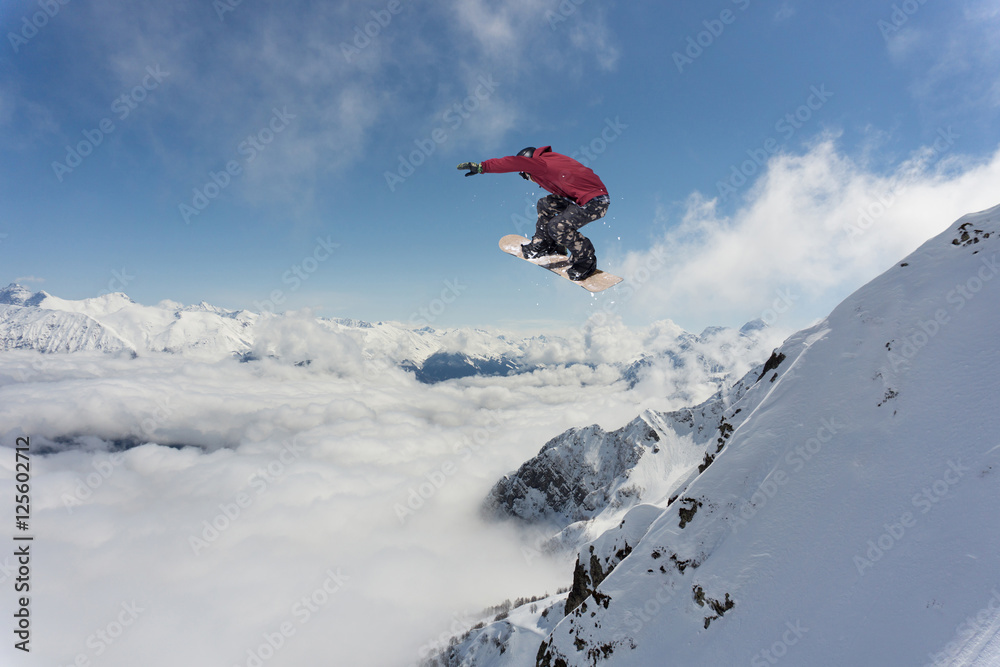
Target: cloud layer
x=294 y=514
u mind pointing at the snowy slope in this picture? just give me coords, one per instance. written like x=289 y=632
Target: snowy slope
x=113 y=323
x=512 y=639
x=26 y=324
x=51 y=331
x=850 y=518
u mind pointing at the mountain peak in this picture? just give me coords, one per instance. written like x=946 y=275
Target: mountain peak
x=753 y=325
x=19 y=295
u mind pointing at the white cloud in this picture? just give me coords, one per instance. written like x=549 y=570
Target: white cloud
x=503 y=30
x=315 y=468
x=295 y=475
x=38 y=120
x=521 y=36
x=300 y=338
x=592 y=35
x=983 y=10
x=813 y=228
x=904 y=43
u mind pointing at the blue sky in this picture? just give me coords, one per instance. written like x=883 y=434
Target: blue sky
x=764 y=158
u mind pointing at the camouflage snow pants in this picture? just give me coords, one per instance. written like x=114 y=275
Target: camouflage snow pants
x=560 y=218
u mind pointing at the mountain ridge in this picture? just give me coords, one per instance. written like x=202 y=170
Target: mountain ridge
x=116 y=324
x=817 y=520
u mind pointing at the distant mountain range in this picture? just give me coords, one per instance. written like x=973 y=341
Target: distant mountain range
x=115 y=324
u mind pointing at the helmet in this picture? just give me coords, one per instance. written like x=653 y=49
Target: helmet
x=526 y=152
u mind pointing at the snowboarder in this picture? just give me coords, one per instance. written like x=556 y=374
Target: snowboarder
x=578 y=197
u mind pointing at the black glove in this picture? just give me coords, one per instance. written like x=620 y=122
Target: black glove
x=473 y=167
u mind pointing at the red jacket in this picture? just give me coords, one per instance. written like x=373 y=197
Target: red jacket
x=559 y=174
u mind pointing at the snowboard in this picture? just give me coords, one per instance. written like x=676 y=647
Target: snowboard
x=558 y=264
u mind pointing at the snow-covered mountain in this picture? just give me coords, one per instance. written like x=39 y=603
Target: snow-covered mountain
x=584 y=481
x=836 y=506
x=115 y=324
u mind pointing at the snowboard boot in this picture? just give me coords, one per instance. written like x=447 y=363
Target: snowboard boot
x=542 y=248
x=584 y=263
x=583 y=269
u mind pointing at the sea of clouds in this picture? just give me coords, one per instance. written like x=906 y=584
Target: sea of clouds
x=211 y=512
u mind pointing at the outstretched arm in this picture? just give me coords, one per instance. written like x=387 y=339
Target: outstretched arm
x=510 y=164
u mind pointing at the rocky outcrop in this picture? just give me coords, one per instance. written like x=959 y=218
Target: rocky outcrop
x=586 y=473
